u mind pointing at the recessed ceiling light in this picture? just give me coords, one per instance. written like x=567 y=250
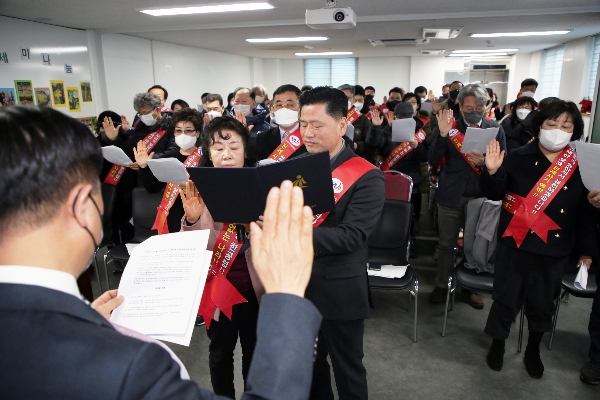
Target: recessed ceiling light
x=544 y=33
x=292 y=39
x=477 y=55
x=206 y=8
x=326 y=53
x=486 y=51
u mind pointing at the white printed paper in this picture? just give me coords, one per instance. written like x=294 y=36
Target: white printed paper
x=476 y=139
x=130 y=247
x=161 y=283
x=266 y=161
x=403 y=130
x=581 y=278
x=389 y=271
x=115 y=155
x=350 y=131
x=168 y=170
x=588 y=156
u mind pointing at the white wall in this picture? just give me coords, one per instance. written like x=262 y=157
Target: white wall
x=64 y=46
x=428 y=72
x=575 y=75
x=128 y=70
x=519 y=70
x=384 y=73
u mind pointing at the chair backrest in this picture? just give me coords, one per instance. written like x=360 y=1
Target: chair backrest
x=398 y=186
x=390 y=238
x=108 y=198
x=144 y=213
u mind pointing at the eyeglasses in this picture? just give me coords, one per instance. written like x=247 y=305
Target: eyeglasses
x=146 y=113
x=189 y=132
x=279 y=106
x=471 y=109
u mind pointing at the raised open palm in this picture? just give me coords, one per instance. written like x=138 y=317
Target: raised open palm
x=193 y=205
x=493 y=156
x=445 y=121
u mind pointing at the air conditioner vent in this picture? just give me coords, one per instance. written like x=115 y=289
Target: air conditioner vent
x=433 y=52
x=441 y=33
x=398 y=42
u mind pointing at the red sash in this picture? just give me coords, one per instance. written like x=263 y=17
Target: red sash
x=457 y=138
x=288 y=147
x=424 y=120
x=353 y=115
x=116 y=172
x=401 y=151
x=218 y=291
x=343 y=178
x=171 y=193
x=528 y=212
x=384 y=109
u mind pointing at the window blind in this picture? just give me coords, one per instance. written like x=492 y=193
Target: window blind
x=594 y=68
x=551 y=69
x=329 y=71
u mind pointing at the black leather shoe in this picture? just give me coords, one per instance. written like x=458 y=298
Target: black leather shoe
x=533 y=363
x=199 y=320
x=495 y=360
x=590 y=373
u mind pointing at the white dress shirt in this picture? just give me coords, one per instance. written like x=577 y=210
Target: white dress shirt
x=283 y=133
x=44 y=277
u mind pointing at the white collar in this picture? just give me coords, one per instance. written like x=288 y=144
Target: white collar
x=283 y=131
x=48 y=278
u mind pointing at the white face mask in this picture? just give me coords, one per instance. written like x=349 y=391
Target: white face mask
x=530 y=94
x=359 y=106
x=415 y=107
x=259 y=99
x=349 y=105
x=422 y=99
x=185 y=142
x=231 y=103
x=215 y=114
x=554 y=139
x=286 y=117
x=243 y=108
x=148 y=119
x=522 y=113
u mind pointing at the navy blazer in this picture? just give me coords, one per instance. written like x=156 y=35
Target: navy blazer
x=456 y=170
x=54 y=346
x=338 y=284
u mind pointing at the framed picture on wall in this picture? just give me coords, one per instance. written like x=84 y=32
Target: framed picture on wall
x=24 y=93
x=43 y=97
x=7 y=97
x=86 y=92
x=73 y=99
x=58 y=93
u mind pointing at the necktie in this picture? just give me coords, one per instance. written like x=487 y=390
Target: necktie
x=285 y=135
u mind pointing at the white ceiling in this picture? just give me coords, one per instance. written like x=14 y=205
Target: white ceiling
x=377 y=19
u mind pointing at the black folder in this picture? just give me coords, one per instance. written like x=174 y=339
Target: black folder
x=240 y=194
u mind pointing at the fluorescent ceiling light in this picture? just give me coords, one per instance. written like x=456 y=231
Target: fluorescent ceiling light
x=326 y=53
x=485 y=51
x=74 y=49
x=544 y=33
x=477 y=55
x=293 y=39
x=206 y=8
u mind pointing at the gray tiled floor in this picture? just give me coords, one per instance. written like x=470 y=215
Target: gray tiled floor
x=451 y=367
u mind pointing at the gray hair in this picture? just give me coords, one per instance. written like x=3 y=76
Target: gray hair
x=146 y=99
x=347 y=87
x=263 y=90
x=475 y=90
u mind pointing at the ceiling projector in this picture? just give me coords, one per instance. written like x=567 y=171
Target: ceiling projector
x=331 y=18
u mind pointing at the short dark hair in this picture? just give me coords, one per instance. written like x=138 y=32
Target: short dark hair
x=230 y=96
x=359 y=90
x=252 y=94
x=216 y=127
x=446 y=85
x=544 y=102
x=165 y=93
x=409 y=96
x=554 y=110
x=453 y=82
x=306 y=87
x=188 y=115
x=396 y=90
x=490 y=91
x=369 y=88
x=214 y=97
x=519 y=102
x=335 y=100
x=529 y=82
x=420 y=89
x=43 y=155
x=204 y=94
x=286 y=88
x=180 y=102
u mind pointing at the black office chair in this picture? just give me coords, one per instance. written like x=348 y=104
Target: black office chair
x=389 y=243
x=144 y=213
x=108 y=198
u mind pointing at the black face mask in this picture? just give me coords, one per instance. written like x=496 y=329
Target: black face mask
x=454 y=94
x=392 y=104
x=368 y=102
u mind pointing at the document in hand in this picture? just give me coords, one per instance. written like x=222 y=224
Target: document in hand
x=477 y=138
x=115 y=155
x=588 y=157
x=403 y=130
x=168 y=170
x=163 y=284
x=240 y=194
x=350 y=131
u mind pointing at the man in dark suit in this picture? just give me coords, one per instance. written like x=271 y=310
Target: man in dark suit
x=459 y=179
x=55 y=346
x=338 y=285
x=284 y=112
